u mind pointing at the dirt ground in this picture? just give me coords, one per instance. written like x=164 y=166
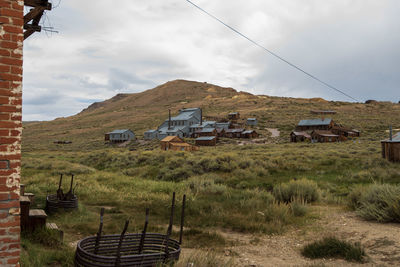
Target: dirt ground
x=381 y=242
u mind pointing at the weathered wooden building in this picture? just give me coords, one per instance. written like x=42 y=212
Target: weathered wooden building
x=234 y=116
x=323 y=136
x=323 y=112
x=233 y=133
x=117 y=136
x=344 y=131
x=175 y=143
x=391 y=148
x=220 y=132
x=206 y=141
x=299 y=137
x=315 y=124
x=251 y=121
x=150 y=135
x=249 y=134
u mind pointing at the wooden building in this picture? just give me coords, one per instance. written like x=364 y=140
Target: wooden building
x=251 y=122
x=220 y=132
x=233 y=133
x=234 y=116
x=175 y=143
x=117 y=136
x=299 y=137
x=315 y=124
x=208 y=132
x=391 y=148
x=321 y=136
x=249 y=134
x=206 y=141
x=344 y=131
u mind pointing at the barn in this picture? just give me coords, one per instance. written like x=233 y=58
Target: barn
x=117 y=136
x=206 y=141
x=315 y=124
x=299 y=137
x=391 y=148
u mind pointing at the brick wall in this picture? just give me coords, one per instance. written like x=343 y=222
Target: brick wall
x=11 y=41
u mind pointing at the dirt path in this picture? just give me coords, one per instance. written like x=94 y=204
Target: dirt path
x=274 y=132
x=381 y=242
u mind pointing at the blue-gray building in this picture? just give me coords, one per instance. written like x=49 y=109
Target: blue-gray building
x=251 y=121
x=120 y=135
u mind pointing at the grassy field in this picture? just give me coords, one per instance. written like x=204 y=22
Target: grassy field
x=228 y=188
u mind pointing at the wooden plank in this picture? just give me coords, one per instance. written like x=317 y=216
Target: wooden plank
x=38 y=3
x=33 y=13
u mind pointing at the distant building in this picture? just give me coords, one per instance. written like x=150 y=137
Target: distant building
x=150 y=135
x=315 y=124
x=391 y=148
x=299 y=136
x=233 y=133
x=223 y=125
x=249 y=134
x=175 y=143
x=323 y=136
x=117 y=136
x=206 y=141
x=251 y=121
x=323 y=112
x=347 y=132
x=234 y=116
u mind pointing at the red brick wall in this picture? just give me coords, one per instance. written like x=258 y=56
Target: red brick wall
x=11 y=40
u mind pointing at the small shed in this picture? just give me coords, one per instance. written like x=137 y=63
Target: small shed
x=321 y=136
x=234 y=116
x=391 y=148
x=233 y=133
x=150 y=135
x=117 y=136
x=299 y=137
x=249 y=134
x=251 y=121
x=315 y=124
x=206 y=141
x=175 y=143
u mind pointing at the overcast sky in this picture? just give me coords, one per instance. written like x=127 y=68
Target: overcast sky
x=105 y=47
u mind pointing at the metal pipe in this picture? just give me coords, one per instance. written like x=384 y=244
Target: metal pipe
x=169 y=119
x=182 y=218
x=390 y=133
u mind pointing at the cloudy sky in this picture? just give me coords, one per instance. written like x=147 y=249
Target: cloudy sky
x=105 y=47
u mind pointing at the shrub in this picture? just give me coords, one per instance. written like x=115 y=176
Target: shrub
x=379 y=202
x=297 y=189
x=331 y=247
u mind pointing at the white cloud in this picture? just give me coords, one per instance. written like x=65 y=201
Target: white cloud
x=108 y=47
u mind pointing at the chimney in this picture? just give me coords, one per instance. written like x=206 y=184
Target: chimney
x=201 y=116
x=169 y=119
x=390 y=133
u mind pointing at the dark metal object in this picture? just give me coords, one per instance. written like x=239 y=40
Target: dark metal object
x=171 y=220
x=96 y=246
x=144 y=232
x=66 y=201
x=121 y=238
x=182 y=219
x=60 y=194
x=141 y=249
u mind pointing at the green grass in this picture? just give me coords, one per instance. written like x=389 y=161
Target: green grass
x=331 y=247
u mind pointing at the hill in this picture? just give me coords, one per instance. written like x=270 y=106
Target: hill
x=146 y=110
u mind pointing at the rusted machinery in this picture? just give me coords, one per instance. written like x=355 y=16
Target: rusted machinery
x=68 y=201
x=139 y=249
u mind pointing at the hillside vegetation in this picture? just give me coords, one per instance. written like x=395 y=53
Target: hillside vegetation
x=142 y=111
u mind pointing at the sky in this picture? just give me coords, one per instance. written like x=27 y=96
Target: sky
x=106 y=47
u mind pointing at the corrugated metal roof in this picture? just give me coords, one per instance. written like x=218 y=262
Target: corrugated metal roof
x=205 y=138
x=119 y=131
x=251 y=119
x=203 y=125
x=150 y=131
x=301 y=134
x=395 y=138
x=315 y=122
x=248 y=132
x=234 y=130
x=207 y=130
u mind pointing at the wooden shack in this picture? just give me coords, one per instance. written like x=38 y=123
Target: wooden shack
x=391 y=148
x=206 y=141
x=344 y=131
x=299 y=137
x=175 y=143
x=220 y=132
x=208 y=132
x=321 y=136
x=315 y=124
x=323 y=112
x=233 y=133
x=234 y=116
x=249 y=134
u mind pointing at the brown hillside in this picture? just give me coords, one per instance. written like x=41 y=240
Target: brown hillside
x=146 y=110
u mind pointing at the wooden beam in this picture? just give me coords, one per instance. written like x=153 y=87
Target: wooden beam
x=33 y=13
x=28 y=33
x=38 y=3
x=35 y=28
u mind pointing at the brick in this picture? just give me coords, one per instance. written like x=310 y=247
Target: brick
x=5 y=4
x=10 y=13
x=14 y=196
x=11 y=253
x=14 y=133
x=13 y=261
x=4 y=53
x=4 y=68
x=10 y=240
x=9 y=45
x=5 y=172
x=6 y=92
x=4 y=100
x=10 y=61
x=4 y=117
x=8 y=109
x=17 y=38
x=16 y=102
x=9 y=124
x=4 y=85
x=16 y=70
x=18 y=22
x=16 y=117
x=12 y=29
x=11 y=157
x=14 y=246
x=10 y=77
x=4 y=196
x=14 y=230
x=7 y=205
x=4 y=132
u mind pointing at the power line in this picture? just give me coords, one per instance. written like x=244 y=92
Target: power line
x=272 y=53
